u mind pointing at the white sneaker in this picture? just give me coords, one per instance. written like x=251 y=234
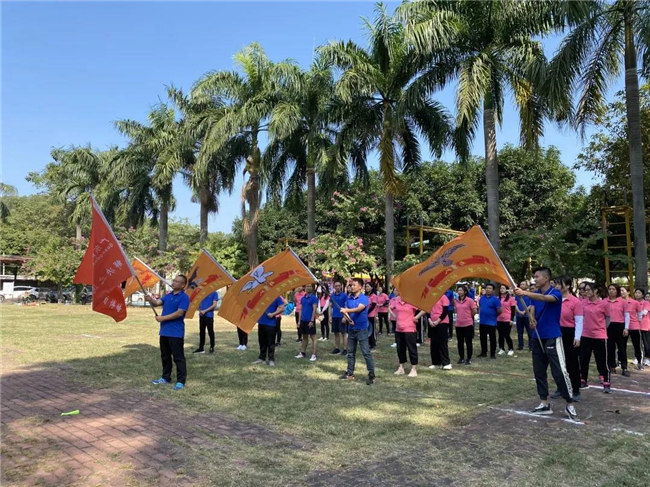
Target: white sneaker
x=244 y=347
x=300 y=355
x=501 y=351
x=447 y=367
x=399 y=371
x=393 y=345
x=271 y=363
x=646 y=362
x=635 y=362
x=433 y=366
x=417 y=344
x=258 y=361
x=239 y=347
x=321 y=339
x=312 y=358
x=511 y=353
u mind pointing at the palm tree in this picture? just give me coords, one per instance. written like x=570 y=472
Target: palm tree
x=303 y=133
x=242 y=105
x=589 y=58
x=487 y=47
x=163 y=141
x=388 y=107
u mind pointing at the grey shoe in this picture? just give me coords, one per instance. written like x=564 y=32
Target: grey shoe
x=271 y=363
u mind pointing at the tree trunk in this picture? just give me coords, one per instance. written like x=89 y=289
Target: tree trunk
x=203 y=235
x=162 y=226
x=311 y=195
x=636 y=154
x=251 y=194
x=390 y=237
x=78 y=236
x=491 y=171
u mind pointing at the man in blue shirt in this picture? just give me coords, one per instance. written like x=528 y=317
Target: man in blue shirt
x=172 y=331
x=206 y=320
x=522 y=319
x=339 y=327
x=307 y=329
x=547 y=342
x=356 y=313
x=266 y=330
x=489 y=309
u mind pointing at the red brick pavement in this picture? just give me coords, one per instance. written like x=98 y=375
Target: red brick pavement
x=117 y=439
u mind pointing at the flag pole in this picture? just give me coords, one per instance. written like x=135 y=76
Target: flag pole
x=145 y=293
x=513 y=285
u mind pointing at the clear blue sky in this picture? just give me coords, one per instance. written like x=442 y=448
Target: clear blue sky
x=69 y=69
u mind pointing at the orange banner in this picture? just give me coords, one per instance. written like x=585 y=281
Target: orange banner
x=249 y=297
x=468 y=255
x=205 y=276
x=148 y=277
x=105 y=267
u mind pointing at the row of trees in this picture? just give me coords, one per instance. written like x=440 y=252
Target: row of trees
x=322 y=124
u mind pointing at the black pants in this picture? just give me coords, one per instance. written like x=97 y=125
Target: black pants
x=616 y=340
x=645 y=337
x=406 y=341
x=243 y=336
x=635 y=336
x=572 y=357
x=422 y=322
x=439 y=344
x=372 y=335
x=325 y=324
x=552 y=354
x=297 y=315
x=393 y=326
x=205 y=322
x=266 y=336
x=523 y=324
x=504 y=328
x=383 y=319
x=599 y=347
x=484 y=332
x=278 y=329
x=172 y=347
x=464 y=337
x=450 y=315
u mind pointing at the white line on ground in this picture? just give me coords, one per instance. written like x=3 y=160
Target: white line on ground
x=629 y=432
x=537 y=416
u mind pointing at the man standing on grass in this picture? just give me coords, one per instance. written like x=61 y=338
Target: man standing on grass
x=356 y=308
x=172 y=331
x=307 y=329
x=339 y=327
x=206 y=321
x=547 y=341
x=267 y=329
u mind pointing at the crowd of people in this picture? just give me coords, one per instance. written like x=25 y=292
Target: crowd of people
x=562 y=328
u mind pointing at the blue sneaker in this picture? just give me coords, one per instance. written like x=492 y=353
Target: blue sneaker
x=160 y=381
x=179 y=386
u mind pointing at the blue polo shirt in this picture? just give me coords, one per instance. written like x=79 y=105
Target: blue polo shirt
x=487 y=311
x=547 y=315
x=307 y=302
x=450 y=297
x=360 y=319
x=207 y=302
x=172 y=302
x=265 y=320
x=340 y=299
x=527 y=303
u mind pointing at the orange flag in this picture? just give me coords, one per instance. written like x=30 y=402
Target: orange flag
x=468 y=255
x=205 y=276
x=105 y=267
x=148 y=277
x=247 y=299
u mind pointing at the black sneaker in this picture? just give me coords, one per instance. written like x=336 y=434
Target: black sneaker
x=346 y=376
x=344 y=352
x=370 y=380
x=556 y=395
x=461 y=361
x=211 y=349
x=199 y=350
x=607 y=389
x=576 y=397
x=625 y=373
x=493 y=357
x=336 y=351
x=544 y=409
x=298 y=340
x=482 y=355
x=468 y=362
x=583 y=384
x=571 y=412
x=278 y=344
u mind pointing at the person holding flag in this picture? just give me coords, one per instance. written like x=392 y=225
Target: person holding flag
x=206 y=320
x=548 y=349
x=172 y=331
x=356 y=309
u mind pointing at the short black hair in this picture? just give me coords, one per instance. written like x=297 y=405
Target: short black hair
x=491 y=285
x=545 y=270
x=358 y=280
x=184 y=277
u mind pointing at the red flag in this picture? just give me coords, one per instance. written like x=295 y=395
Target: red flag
x=105 y=267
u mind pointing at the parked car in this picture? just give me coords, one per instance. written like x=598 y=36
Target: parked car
x=26 y=293
x=47 y=294
x=86 y=295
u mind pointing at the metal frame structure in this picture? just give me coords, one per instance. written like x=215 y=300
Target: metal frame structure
x=609 y=214
x=421 y=229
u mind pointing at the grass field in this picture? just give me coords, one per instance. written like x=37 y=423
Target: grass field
x=441 y=428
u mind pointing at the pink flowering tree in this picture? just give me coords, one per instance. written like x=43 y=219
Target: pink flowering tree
x=337 y=256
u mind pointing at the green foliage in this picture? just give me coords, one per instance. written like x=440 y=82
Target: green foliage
x=229 y=252
x=57 y=261
x=335 y=255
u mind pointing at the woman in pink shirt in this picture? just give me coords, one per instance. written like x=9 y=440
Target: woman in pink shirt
x=635 y=308
x=465 y=311
x=617 y=331
x=382 y=310
x=506 y=319
x=594 y=336
x=405 y=333
x=571 y=323
x=645 y=329
x=439 y=334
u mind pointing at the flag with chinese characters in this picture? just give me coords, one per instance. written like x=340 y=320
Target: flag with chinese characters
x=105 y=267
x=468 y=255
x=247 y=299
x=205 y=276
x=147 y=276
